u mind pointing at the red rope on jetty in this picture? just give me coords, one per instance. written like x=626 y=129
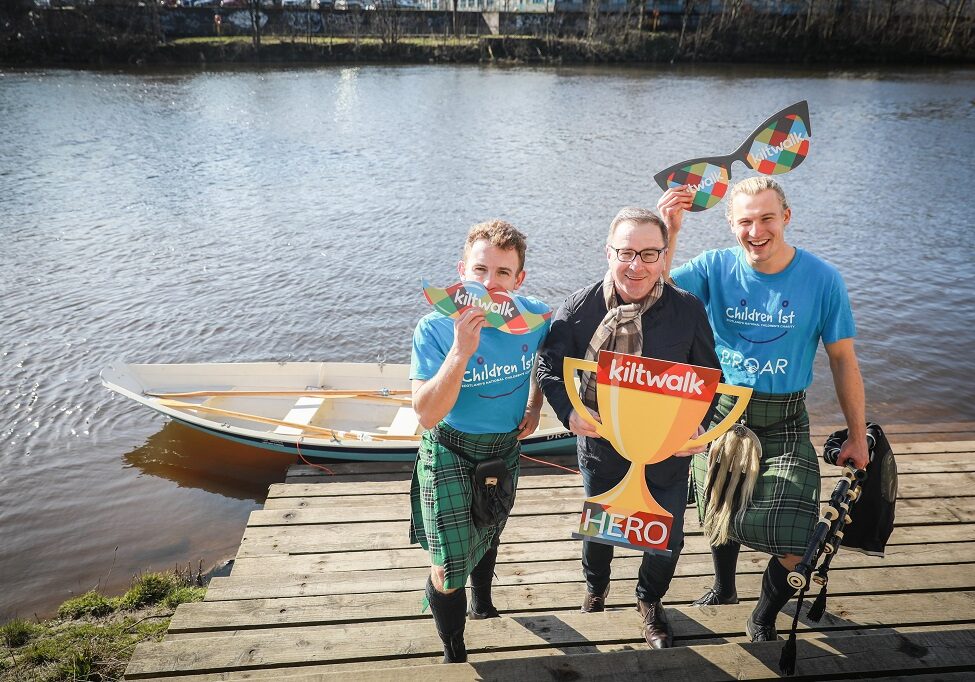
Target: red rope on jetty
x=551 y=464
x=316 y=466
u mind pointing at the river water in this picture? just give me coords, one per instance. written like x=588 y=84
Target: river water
x=234 y=215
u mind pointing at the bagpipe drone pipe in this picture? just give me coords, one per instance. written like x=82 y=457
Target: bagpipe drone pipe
x=873 y=493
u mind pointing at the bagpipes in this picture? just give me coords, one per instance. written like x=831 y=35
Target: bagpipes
x=874 y=493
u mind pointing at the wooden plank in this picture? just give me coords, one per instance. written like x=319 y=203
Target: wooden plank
x=562 y=500
x=929 y=652
x=342 y=469
x=512 y=557
x=305 y=495
x=907 y=454
x=337 y=537
x=902 y=429
x=396 y=484
x=280 y=493
x=319 y=581
x=366 y=641
x=924 y=460
x=415 y=555
x=566 y=584
x=517 y=599
x=900 y=448
x=963 y=676
x=937 y=462
x=313 y=673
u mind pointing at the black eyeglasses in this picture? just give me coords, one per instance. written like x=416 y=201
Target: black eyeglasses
x=629 y=255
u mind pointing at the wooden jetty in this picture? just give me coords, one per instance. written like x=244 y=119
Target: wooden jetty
x=326 y=587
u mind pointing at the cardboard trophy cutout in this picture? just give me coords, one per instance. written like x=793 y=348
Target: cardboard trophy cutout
x=777 y=146
x=502 y=309
x=650 y=409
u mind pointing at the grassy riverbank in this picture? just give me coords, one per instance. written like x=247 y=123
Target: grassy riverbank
x=654 y=47
x=93 y=636
x=874 y=32
x=627 y=48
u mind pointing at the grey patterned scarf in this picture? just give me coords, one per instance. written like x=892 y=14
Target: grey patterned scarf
x=621 y=330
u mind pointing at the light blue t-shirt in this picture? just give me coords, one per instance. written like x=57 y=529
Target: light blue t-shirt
x=767 y=327
x=494 y=392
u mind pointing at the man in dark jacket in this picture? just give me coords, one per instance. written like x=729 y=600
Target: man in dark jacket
x=632 y=310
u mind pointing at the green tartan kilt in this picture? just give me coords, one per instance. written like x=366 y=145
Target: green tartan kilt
x=440 y=497
x=785 y=506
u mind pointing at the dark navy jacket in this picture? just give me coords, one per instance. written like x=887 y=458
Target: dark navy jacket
x=676 y=328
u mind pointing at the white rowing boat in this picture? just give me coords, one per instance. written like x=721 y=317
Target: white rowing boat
x=332 y=410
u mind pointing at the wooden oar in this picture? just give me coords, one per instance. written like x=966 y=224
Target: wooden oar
x=313 y=393
x=332 y=433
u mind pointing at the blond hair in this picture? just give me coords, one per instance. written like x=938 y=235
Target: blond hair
x=500 y=234
x=638 y=216
x=751 y=187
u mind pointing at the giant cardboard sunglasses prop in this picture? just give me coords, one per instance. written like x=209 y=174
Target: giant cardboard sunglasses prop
x=777 y=146
x=502 y=310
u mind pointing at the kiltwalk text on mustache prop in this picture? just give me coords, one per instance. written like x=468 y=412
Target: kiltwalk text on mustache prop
x=502 y=310
x=649 y=410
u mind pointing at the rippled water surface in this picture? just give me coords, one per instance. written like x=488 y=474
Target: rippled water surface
x=268 y=215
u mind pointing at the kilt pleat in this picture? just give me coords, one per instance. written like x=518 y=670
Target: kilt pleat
x=440 y=497
x=785 y=506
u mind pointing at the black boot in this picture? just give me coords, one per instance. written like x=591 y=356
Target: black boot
x=481 y=605
x=449 y=615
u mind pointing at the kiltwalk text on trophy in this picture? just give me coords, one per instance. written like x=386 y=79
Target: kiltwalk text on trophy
x=649 y=410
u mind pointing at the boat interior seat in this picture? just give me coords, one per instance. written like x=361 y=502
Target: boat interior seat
x=405 y=423
x=302 y=413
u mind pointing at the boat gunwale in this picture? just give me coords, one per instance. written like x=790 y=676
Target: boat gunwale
x=285 y=442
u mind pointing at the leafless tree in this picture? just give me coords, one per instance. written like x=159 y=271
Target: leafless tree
x=254 y=10
x=389 y=20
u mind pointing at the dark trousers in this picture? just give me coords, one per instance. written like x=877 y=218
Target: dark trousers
x=656 y=571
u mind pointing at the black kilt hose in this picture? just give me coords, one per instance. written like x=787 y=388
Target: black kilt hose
x=785 y=505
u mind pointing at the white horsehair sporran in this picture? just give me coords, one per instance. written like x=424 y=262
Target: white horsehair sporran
x=733 y=463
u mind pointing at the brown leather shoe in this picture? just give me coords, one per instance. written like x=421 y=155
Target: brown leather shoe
x=656 y=629
x=594 y=603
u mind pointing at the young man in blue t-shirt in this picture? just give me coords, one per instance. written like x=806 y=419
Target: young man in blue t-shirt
x=475 y=395
x=770 y=304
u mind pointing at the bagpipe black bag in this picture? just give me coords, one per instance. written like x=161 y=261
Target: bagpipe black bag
x=874 y=517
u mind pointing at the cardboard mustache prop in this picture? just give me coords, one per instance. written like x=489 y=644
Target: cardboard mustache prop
x=502 y=310
x=777 y=146
x=649 y=410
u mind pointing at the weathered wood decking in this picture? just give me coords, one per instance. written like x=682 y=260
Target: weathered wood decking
x=326 y=587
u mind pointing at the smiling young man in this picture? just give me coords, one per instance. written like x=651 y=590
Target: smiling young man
x=632 y=310
x=770 y=304
x=470 y=414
